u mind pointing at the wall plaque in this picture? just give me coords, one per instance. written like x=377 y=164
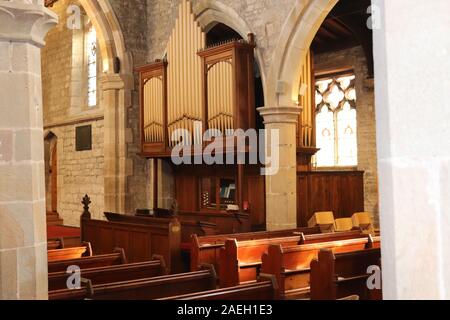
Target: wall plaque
x=83 y=138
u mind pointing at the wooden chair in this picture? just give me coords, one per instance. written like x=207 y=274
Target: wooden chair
x=343 y=224
x=324 y=220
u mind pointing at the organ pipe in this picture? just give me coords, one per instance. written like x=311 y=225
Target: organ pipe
x=153 y=110
x=184 y=73
x=306 y=100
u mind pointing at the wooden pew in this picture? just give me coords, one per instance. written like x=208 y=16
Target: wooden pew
x=158 y=236
x=69 y=253
x=188 y=228
x=240 y=261
x=337 y=275
x=85 y=292
x=326 y=237
x=375 y=242
x=157 y=287
x=116 y=258
x=264 y=290
x=110 y=274
x=206 y=249
x=53 y=244
x=291 y=265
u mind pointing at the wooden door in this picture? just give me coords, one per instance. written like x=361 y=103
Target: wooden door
x=54 y=178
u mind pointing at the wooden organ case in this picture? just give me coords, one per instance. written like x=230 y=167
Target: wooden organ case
x=193 y=89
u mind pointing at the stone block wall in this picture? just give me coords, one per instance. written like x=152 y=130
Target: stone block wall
x=365 y=101
x=57 y=67
x=133 y=22
x=264 y=18
x=82 y=172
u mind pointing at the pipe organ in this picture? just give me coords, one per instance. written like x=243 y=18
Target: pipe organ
x=195 y=88
x=229 y=85
x=153 y=110
x=220 y=98
x=306 y=132
x=184 y=77
x=306 y=127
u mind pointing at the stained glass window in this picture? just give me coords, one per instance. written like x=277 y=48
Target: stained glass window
x=91 y=51
x=336 y=127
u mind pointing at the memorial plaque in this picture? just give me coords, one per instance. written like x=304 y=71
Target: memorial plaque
x=83 y=137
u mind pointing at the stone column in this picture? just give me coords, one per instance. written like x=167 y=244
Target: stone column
x=23 y=237
x=281 y=188
x=412 y=87
x=115 y=150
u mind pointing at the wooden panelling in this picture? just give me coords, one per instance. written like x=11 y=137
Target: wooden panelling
x=255 y=193
x=140 y=241
x=340 y=192
x=187 y=194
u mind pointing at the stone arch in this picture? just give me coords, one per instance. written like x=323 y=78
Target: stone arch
x=211 y=12
x=115 y=90
x=305 y=19
x=109 y=33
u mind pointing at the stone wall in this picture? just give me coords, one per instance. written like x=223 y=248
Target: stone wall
x=365 y=100
x=133 y=21
x=65 y=108
x=79 y=173
x=264 y=18
x=56 y=67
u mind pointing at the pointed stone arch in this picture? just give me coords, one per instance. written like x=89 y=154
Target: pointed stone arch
x=211 y=12
x=302 y=24
x=51 y=171
x=116 y=85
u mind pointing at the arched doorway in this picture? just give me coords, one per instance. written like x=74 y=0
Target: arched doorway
x=51 y=179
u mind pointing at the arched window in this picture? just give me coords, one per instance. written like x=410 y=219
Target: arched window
x=336 y=127
x=91 y=54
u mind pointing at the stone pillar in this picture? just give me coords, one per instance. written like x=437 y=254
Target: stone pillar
x=412 y=83
x=281 y=188
x=23 y=237
x=113 y=98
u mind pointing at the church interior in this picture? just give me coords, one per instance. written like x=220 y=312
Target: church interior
x=224 y=150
